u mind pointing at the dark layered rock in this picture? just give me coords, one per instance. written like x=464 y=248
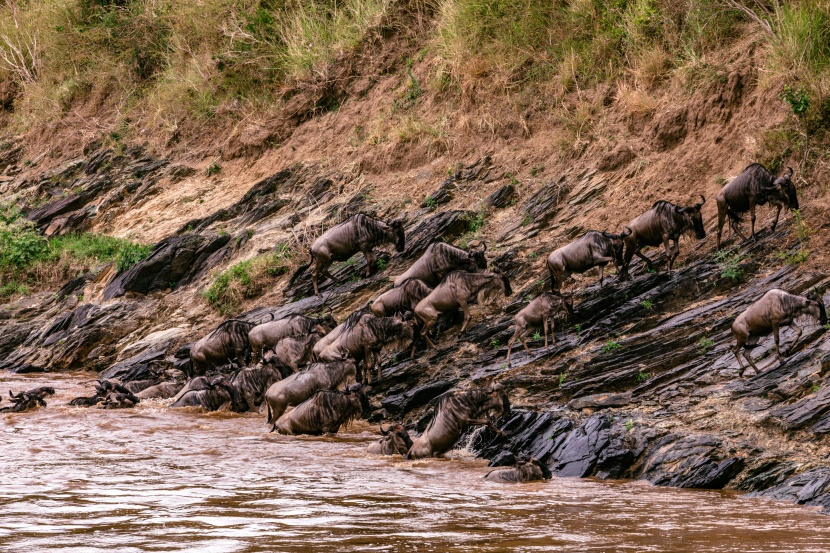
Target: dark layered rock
x=811 y=487
x=502 y=197
x=174 y=261
x=691 y=462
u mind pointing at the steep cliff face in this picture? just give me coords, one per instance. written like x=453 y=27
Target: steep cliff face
x=640 y=383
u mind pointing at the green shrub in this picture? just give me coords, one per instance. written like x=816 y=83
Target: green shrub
x=729 y=262
x=21 y=245
x=705 y=344
x=131 y=253
x=647 y=304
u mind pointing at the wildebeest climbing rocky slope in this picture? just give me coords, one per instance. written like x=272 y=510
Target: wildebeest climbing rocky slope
x=641 y=382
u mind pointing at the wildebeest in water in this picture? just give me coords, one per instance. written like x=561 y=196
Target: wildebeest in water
x=358 y=233
x=300 y=386
x=25 y=401
x=775 y=309
x=325 y=412
x=525 y=469
x=454 y=412
x=395 y=440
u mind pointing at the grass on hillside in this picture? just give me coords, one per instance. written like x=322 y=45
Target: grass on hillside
x=29 y=261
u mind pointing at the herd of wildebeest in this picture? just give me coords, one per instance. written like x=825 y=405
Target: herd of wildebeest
x=311 y=372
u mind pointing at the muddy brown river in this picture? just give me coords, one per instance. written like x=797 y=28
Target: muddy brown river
x=153 y=479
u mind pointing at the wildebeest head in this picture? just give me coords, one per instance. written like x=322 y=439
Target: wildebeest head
x=476 y=251
x=400 y=240
x=397 y=433
x=508 y=291
x=694 y=216
x=618 y=244
x=816 y=307
x=498 y=402
x=365 y=407
x=786 y=189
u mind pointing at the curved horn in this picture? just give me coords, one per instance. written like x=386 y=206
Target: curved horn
x=382 y=431
x=483 y=246
x=702 y=199
x=624 y=233
x=788 y=173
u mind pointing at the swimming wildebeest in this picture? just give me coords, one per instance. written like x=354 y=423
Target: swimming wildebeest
x=24 y=401
x=294 y=352
x=267 y=335
x=662 y=223
x=754 y=186
x=300 y=386
x=440 y=259
x=775 y=309
x=162 y=390
x=103 y=388
x=537 y=314
x=454 y=412
x=526 y=469
x=227 y=343
x=119 y=400
x=358 y=233
x=395 y=441
x=325 y=412
x=252 y=383
x=592 y=249
x=401 y=299
x=211 y=394
x=365 y=339
x=456 y=291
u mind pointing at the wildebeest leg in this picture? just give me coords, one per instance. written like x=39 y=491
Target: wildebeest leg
x=721 y=218
x=639 y=254
x=488 y=423
x=752 y=219
x=370 y=261
x=775 y=332
x=777 y=214
x=669 y=251
x=735 y=351
x=601 y=274
x=466 y=310
x=511 y=342
x=545 y=323
x=797 y=336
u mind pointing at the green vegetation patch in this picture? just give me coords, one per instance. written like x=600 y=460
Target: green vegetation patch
x=247 y=279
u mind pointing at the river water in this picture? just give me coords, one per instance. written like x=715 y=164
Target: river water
x=152 y=479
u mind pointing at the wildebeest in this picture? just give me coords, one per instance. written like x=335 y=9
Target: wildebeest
x=119 y=400
x=103 y=388
x=24 y=401
x=662 y=223
x=162 y=390
x=267 y=335
x=537 y=314
x=300 y=386
x=227 y=343
x=754 y=186
x=400 y=299
x=211 y=394
x=252 y=383
x=440 y=259
x=358 y=233
x=329 y=338
x=294 y=352
x=526 y=469
x=775 y=309
x=325 y=412
x=395 y=441
x=454 y=412
x=456 y=291
x=362 y=340
x=592 y=249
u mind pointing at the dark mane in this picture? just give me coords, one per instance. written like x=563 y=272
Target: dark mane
x=352 y=320
x=468 y=398
x=233 y=327
x=661 y=205
x=328 y=415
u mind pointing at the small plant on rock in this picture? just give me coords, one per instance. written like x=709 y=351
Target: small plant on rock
x=705 y=344
x=610 y=346
x=629 y=424
x=537 y=336
x=495 y=343
x=643 y=376
x=647 y=304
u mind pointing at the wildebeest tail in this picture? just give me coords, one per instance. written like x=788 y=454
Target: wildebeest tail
x=302 y=268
